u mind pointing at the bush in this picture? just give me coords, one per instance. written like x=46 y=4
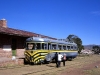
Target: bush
x=13 y=52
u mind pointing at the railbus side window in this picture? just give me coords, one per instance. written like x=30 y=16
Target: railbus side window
x=68 y=47
x=54 y=46
x=44 y=46
x=75 y=47
x=59 y=47
x=64 y=47
x=71 y=47
x=38 y=45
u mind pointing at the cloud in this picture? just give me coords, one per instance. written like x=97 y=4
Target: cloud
x=96 y=12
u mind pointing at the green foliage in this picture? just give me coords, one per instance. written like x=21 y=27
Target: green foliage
x=96 y=49
x=77 y=40
x=13 y=52
x=71 y=37
x=82 y=47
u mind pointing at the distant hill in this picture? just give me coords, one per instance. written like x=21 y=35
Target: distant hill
x=89 y=46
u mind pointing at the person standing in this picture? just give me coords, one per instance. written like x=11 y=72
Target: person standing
x=64 y=59
x=59 y=59
x=56 y=59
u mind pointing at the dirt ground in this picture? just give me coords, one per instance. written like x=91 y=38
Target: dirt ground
x=90 y=65
x=82 y=65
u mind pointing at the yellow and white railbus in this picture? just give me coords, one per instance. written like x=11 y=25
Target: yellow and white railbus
x=42 y=50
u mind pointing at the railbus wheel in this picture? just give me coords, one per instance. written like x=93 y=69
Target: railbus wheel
x=70 y=59
x=25 y=62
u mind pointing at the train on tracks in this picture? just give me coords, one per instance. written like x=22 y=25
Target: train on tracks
x=42 y=50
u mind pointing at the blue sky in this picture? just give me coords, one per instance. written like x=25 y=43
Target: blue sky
x=55 y=18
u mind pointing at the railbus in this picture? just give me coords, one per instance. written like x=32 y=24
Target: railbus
x=42 y=50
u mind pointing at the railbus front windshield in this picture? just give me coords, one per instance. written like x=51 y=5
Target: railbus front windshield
x=36 y=45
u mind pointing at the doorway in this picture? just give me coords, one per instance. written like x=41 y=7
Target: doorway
x=14 y=43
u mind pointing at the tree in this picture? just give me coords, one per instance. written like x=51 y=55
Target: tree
x=96 y=49
x=71 y=37
x=77 y=40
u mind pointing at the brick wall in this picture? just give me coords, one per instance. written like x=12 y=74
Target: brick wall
x=20 y=47
x=20 y=52
x=5 y=53
x=7 y=40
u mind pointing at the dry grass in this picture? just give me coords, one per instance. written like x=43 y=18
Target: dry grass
x=79 y=63
x=83 y=63
x=95 y=71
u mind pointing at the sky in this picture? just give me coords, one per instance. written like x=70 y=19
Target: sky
x=55 y=18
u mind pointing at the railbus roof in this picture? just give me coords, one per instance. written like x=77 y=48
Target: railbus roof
x=39 y=39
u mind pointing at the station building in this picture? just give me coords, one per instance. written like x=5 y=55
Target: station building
x=13 y=40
